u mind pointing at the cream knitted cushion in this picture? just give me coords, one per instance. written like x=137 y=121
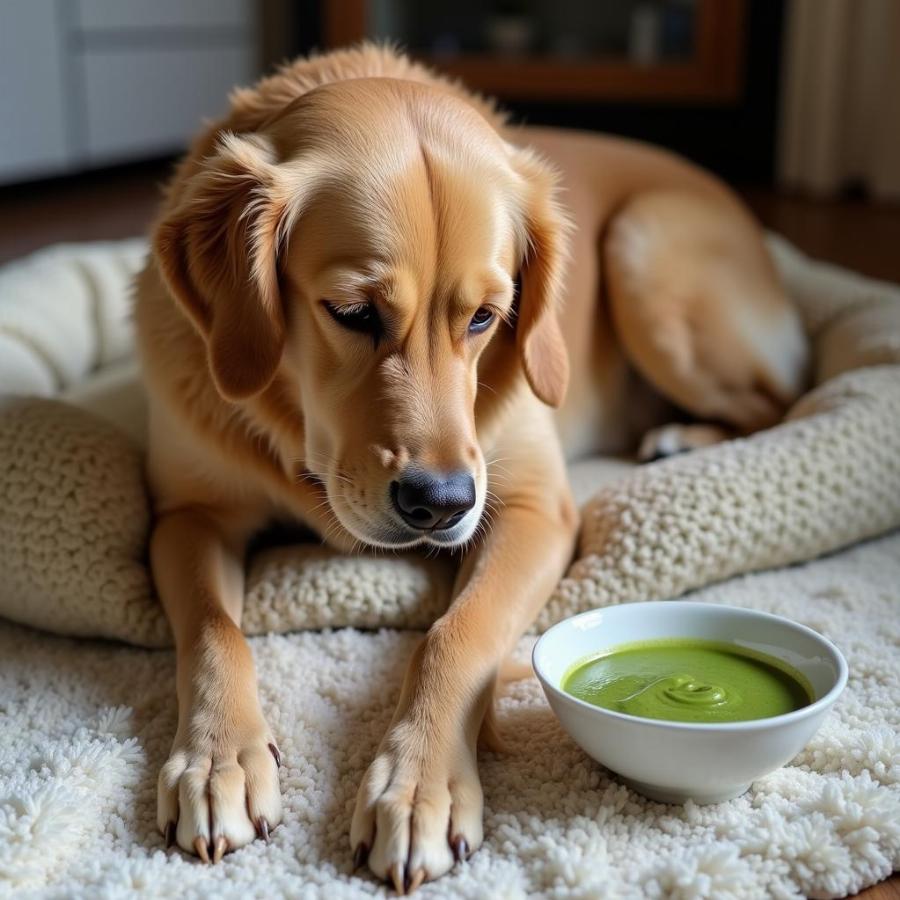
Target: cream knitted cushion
x=74 y=514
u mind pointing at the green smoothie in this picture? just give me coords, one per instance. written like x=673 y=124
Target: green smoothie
x=687 y=680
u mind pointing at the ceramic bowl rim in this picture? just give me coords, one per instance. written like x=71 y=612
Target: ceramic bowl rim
x=797 y=715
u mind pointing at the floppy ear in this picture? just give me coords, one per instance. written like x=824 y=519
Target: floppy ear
x=539 y=339
x=217 y=253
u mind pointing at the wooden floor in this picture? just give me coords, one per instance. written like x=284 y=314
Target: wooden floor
x=121 y=203
x=858 y=235
x=113 y=204
x=887 y=890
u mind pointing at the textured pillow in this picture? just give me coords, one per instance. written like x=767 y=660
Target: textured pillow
x=74 y=519
x=74 y=515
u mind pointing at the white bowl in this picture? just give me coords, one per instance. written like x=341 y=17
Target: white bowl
x=677 y=761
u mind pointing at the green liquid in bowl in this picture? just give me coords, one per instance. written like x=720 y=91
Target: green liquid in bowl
x=686 y=680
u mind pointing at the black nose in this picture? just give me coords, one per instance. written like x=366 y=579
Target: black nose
x=430 y=500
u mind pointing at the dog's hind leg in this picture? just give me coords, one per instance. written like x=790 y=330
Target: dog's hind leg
x=676 y=437
x=699 y=309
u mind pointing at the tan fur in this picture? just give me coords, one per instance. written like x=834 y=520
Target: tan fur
x=359 y=177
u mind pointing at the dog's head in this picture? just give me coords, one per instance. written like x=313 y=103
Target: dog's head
x=383 y=252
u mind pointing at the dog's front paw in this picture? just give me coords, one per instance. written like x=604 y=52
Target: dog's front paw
x=418 y=811
x=217 y=793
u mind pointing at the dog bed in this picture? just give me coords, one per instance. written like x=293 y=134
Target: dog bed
x=74 y=514
x=86 y=725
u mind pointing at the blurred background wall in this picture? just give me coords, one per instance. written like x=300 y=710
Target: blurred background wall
x=794 y=101
x=94 y=82
x=88 y=83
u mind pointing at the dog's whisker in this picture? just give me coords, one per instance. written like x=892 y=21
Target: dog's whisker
x=495 y=502
x=329 y=534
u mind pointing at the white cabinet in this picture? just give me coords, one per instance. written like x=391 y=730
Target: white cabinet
x=141 y=102
x=33 y=133
x=107 y=15
x=94 y=82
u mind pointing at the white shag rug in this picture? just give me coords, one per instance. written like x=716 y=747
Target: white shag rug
x=84 y=727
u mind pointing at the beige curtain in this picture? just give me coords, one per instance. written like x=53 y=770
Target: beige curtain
x=840 y=104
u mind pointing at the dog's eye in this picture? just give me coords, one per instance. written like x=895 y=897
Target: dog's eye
x=361 y=317
x=480 y=321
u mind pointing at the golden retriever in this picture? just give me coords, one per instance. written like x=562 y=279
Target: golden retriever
x=366 y=300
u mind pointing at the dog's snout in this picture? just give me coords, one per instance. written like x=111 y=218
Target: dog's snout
x=432 y=501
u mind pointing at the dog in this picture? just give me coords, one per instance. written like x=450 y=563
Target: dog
x=376 y=309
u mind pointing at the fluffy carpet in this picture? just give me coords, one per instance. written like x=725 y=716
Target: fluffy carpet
x=84 y=727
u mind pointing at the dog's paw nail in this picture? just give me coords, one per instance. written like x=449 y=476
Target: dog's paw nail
x=201 y=849
x=360 y=855
x=398 y=877
x=262 y=828
x=276 y=753
x=219 y=848
x=415 y=882
x=170 y=835
x=460 y=848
